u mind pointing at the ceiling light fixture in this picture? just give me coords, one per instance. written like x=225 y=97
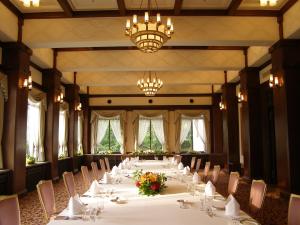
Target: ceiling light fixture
x=28 y=3
x=274 y=81
x=150 y=85
x=265 y=3
x=27 y=83
x=149 y=35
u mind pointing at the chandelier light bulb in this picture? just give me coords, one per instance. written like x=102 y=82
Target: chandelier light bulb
x=128 y=24
x=158 y=18
x=169 y=22
x=134 y=19
x=272 y=2
x=36 y=3
x=146 y=17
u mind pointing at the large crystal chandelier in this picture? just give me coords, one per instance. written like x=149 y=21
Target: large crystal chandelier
x=28 y=3
x=150 y=85
x=149 y=35
x=268 y=2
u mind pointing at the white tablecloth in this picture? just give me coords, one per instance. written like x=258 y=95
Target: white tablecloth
x=162 y=209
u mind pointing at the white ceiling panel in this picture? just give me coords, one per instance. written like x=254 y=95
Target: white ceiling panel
x=205 y=4
x=255 y=5
x=142 y=4
x=45 y=6
x=93 y=5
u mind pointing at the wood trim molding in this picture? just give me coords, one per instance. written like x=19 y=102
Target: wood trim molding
x=233 y=7
x=264 y=65
x=11 y=7
x=151 y=107
x=64 y=4
x=287 y=6
x=117 y=48
x=38 y=86
x=143 y=96
x=35 y=66
x=177 y=7
x=122 y=7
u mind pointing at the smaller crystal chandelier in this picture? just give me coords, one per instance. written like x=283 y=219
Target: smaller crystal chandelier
x=149 y=35
x=265 y=3
x=28 y=3
x=151 y=85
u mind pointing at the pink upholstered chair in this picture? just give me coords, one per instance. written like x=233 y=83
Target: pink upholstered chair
x=9 y=210
x=86 y=177
x=198 y=164
x=107 y=164
x=193 y=162
x=69 y=183
x=102 y=165
x=46 y=195
x=95 y=171
x=233 y=183
x=215 y=174
x=294 y=207
x=257 y=195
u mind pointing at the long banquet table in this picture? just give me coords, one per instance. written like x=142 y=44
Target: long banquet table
x=162 y=209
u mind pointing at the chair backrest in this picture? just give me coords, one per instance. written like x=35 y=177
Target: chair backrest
x=178 y=158
x=215 y=174
x=69 y=183
x=233 y=183
x=206 y=169
x=102 y=165
x=46 y=195
x=198 y=164
x=9 y=210
x=257 y=195
x=294 y=207
x=193 y=162
x=86 y=177
x=95 y=171
x=107 y=164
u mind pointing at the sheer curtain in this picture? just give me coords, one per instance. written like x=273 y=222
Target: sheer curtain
x=115 y=125
x=199 y=135
x=101 y=130
x=79 y=134
x=33 y=129
x=184 y=130
x=158 y=127
x=143 y=128
x=62 y=134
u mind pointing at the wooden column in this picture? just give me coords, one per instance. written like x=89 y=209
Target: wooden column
x=286 y=66
x=231 y=127
x=72 y=97
x=51 y=83
x=217 y=126
x=86 y=124
x=16 y=58
x=251 y=122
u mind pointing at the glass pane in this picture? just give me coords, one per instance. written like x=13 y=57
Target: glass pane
x=146 y=143
x=188 y=143
x=155 y=144
x=104 y=144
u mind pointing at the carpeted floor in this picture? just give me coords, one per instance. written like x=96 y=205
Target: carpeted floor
x=274 y=211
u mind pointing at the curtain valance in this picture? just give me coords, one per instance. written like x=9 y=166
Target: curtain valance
x=38 y=97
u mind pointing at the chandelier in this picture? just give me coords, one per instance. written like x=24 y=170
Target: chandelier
x=151 y=85
x=268 y=2
x=28 y=3
x=149 y=35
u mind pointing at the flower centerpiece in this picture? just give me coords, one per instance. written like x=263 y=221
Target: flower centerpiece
x=149 y=183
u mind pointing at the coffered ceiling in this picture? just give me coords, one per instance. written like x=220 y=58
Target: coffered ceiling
x=86 y=38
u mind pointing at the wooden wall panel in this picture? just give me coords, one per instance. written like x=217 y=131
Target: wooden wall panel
x=217 y=125
x=86 y=124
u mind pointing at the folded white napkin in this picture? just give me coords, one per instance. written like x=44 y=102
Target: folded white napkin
x=180 y=166
x=74 y=206
x=196 y=178
x=232 y=208
x=120 y=167
x=186 y=170
x=115 y=171
x=210 y=189
x=95 y=188
x=106 y=178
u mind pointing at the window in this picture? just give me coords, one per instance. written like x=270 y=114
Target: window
x=151 y=135
x=193 y=135
x=62 y=134
x=109 y=136
x=33 y=139
x=79 y=135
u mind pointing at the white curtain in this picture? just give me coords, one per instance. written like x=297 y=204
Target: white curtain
x=199 y=135
x=63 y=134
x=115 y=125
x=158 y=127
x=143 y=128
x=33 y=129
x=101 y=130
x=79 y=134
x=185 y=129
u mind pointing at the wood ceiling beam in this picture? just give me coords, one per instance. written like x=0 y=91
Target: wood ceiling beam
x=116 y=13
x=233 y=7
x=287 y=6
x=177 y=7
x=142 y=95
x=11 y=7
x=64 y=4
x=122 y=7
x=238 y=48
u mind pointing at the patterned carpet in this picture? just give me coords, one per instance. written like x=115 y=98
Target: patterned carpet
x=274 y=211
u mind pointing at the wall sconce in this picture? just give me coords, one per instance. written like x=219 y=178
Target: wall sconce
x=60 y=97
x=241 y=97
x=222 y=105
x=274 y=81
x=78 y=107
x=27 y=83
